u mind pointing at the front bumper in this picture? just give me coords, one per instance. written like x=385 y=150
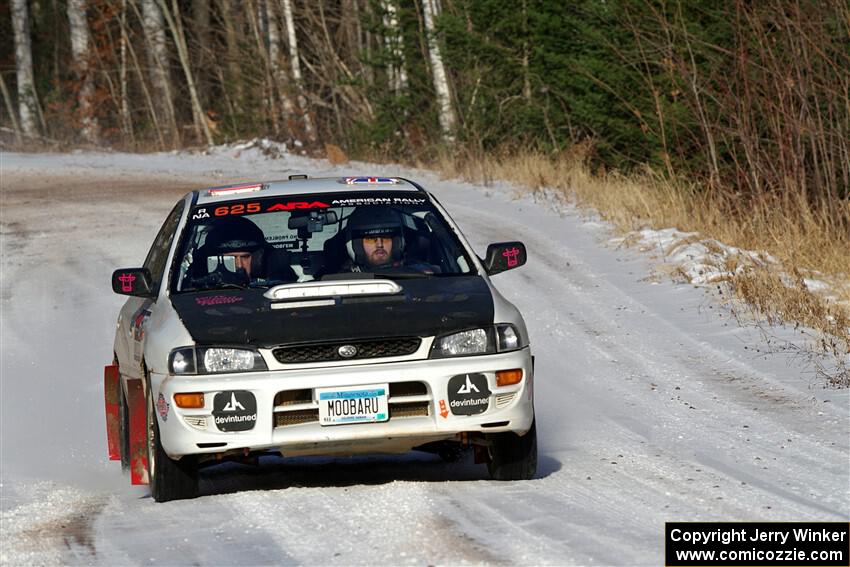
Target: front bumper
x=286 y=400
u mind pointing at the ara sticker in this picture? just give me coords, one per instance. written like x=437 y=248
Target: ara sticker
x=218 y=300
x=162 y=407
x=297 y=205
x=443 y=411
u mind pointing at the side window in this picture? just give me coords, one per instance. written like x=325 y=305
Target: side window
x=155 y=262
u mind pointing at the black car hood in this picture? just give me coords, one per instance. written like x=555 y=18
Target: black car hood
x=425 y=307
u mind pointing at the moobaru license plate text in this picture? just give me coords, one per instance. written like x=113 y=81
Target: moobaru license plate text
x=358 y=404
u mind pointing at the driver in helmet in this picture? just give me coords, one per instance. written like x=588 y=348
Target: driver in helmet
x=236 y=252
x=375 y=242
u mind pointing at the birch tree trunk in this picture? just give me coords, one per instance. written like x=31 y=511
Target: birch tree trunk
x=27 y=98
x=203 y=39
x=278 y=74
x=295 y=66
x=160 y=77
x=10 y=108
x=176 y=25
x=80 y=39
x=256 y=15
x=230 y=16
x=430 y=9
x=126 y=120
x=393 y=40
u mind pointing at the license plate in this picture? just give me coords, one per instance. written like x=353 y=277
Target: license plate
x=354 y=404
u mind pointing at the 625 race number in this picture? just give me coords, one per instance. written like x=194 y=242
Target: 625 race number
x=237 y=209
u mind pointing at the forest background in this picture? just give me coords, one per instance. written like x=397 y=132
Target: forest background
x=729 y=118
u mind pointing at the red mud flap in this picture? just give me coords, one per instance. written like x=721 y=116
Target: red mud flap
x=110 y=394
x=138 y=431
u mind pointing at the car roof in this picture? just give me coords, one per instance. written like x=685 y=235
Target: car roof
x=298 y=185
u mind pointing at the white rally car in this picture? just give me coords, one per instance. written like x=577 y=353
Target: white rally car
x=333 y=316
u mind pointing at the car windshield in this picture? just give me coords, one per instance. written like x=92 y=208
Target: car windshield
x=270 y=241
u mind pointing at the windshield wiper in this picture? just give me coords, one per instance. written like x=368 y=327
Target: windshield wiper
x=402 y=275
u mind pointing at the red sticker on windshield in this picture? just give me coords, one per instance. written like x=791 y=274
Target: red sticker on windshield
x=297 y=205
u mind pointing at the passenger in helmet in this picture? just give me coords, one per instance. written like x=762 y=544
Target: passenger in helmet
x=375 y=241
x=375 y=238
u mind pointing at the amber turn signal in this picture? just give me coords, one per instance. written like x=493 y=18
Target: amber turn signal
x=508 y=377
x=194 y=400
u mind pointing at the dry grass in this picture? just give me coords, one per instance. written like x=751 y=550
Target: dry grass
x=804 y=238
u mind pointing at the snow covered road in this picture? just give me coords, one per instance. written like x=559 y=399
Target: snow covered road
x=653 y=405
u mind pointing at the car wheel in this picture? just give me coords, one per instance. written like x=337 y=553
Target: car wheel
x=123 y=428
x=169 y=479
x=513 y=457
x=450 y=452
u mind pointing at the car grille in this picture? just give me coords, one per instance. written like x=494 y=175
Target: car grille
x=414 y=409
x=296 y=407
x=297 y=417
x=329 y=352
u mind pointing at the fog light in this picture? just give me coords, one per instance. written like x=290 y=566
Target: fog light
x=508 y=377
x=194 y=400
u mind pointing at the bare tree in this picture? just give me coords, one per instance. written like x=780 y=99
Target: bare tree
x=80 y=39
x=10 y=108
x=230 y=16
x=393 y=40
x=430 y=9
x=201 y=32
x=27 y=99
x=126 y=120
x=295 y=66
x=278 y=74
x=175 y=23
x=154 y=27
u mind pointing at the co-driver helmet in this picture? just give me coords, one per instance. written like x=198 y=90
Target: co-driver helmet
x=372 y=221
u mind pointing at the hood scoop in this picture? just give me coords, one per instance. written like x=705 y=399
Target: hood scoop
x=317 y=294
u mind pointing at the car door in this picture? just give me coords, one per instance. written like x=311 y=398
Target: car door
x=137 y=310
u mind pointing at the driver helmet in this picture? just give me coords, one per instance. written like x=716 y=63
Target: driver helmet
x=232 y=234
x=372 y=221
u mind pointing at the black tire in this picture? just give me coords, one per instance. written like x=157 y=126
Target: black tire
x=169 y=479
x=513 y=457
x=451 y=452
x=123 y=428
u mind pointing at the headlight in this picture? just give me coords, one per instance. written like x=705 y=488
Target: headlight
x=214 y=360
x=229 y=360
x=474 y=341
x=503 y=337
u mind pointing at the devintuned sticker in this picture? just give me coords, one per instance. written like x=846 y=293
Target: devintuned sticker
x=468 y=394
x=234 y=410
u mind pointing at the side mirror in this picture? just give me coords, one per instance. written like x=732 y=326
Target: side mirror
x=504 y=256
x=132 y=281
